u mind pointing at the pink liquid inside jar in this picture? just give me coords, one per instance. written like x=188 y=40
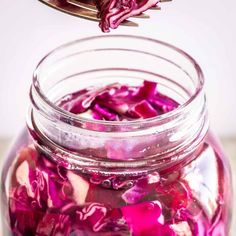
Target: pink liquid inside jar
x=71 y=174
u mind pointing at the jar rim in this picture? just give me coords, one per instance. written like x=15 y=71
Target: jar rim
x=160 y=118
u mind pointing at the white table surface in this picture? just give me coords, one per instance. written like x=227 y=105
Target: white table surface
x=229 y=146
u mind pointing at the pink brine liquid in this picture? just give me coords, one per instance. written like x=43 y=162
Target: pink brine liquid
x=189 y=198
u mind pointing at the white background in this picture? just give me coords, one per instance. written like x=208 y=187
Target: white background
x=204 y=29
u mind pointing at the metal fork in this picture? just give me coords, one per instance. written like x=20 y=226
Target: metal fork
x=88 y=10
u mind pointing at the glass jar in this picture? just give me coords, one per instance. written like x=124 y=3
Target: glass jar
x=71 y=175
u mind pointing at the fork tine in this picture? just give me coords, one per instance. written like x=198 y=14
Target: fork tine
x=155 y=8
x=72 y=10
x=85 y=13
x=129 y=23
x=82 y=5
x=142 y=16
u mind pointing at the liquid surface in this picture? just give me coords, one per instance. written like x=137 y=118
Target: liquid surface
x=117 y=102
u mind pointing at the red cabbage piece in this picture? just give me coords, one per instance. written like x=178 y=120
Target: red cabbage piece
x=104 y=112
x=142 y=187
x=113 y=12
x=147 y=90
x=118 y=102
x=143 y=109
x=146 y=219
x=163 y=102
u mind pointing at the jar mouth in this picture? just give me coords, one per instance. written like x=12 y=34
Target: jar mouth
x=65 y=115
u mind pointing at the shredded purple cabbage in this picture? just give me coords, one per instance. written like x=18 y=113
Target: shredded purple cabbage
x=113 y=12
x=46 y=199
x=118 y=102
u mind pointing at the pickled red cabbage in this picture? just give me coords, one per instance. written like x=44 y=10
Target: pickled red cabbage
x=118 y=102
x=46 y=198
x=113 y=12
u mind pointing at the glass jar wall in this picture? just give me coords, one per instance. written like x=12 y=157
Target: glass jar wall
x=71 y=175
